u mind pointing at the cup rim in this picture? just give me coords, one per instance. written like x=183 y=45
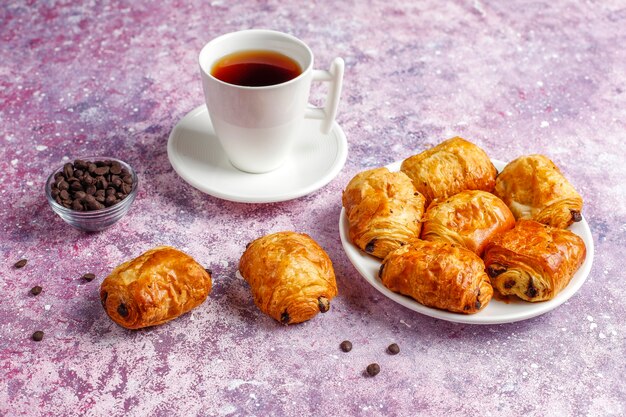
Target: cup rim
x=92 y=213
x=292 y=38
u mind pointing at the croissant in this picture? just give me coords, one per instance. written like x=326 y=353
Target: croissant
x=533 y=261
x=534 y=188
x=452 y=166
x=291 y=277
x=469 y=218
x=155 y=287
x=438 y=274
x=383 y=210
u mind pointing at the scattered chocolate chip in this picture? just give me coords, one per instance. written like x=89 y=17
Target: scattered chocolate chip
x=373 y=369
x=284 y=318
x=36 y=290
x=21 y=263
x=509 y=284
x=346 y=346
x=209 y=271
x=380 y=271
x=89 y=277
x=477 y=305
x=576 y=216
x=38 y=336
x=323 y=304
x=393 y=349
x=122 y=310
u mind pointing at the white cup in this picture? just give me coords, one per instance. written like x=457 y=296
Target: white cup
x=257 y=126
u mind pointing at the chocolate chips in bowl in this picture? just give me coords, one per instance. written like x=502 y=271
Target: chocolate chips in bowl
x=92 y=193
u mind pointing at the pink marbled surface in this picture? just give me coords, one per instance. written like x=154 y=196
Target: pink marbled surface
x=515 y=77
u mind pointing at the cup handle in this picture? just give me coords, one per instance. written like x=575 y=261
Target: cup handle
x=327 y=113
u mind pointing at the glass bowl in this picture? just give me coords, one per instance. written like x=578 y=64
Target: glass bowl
x=95 y=220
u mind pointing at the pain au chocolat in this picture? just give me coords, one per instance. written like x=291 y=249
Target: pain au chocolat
x=290 y=275
x=469 y=218
x=384 y=210
x=534 y=188
x=438 y=274
x=452 y=166
x=533 y=261
x=153 y=288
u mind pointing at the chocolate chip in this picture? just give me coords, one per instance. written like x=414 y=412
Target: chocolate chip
x=284 y=318
x=323 y=304
x=36 y=290
x=63 y=185
x=103 y=170
x=531 y=292
x=89 y=277
x=393 y=349
x=477 y=304
x=373 y=369
x=208 y=271
x=369 y=248
x=38 y=336
x=122 y=310
x=576 y=216
x=92 y=168
x=509 y=284
x=80 y=164
x=20 y=264
x=346 y=346
x=494 y=270
x=380 y=271
x=116 y=169
x=68 y=170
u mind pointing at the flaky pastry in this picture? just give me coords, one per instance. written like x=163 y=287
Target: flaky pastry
x=383 y=210
x=533 y=261
x=153 y=288
x=291 y=277
x=534 y=188
x=438 y=274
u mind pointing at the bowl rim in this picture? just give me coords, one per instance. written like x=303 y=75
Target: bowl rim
x=92 y=213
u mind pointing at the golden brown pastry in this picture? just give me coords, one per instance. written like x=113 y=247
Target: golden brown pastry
x=291 y=277
x=153 y=288
x=452 y=166
x=469 y=218
x=534 y=188
x=383 y=210
x=438 y=274
x=533 y=261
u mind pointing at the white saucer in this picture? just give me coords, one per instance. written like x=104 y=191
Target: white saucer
x=197 y=156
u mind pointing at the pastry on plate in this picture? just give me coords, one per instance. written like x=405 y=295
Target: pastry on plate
x=452 y=166
x=438 y=274
x=533 y=261
x=469 y=218
x=383 y=210
x=153 y=288
x=534 y=188
x=291 y=277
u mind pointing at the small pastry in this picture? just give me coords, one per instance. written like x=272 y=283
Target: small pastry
x=533 y=261
x=153 y=288
x=291 y=277
x=469 y=218
x=438 y=274
x=534 y=188
x=383 y=210
x=452 y=166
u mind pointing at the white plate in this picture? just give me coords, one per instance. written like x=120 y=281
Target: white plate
x=496 y=311
x=196 y=155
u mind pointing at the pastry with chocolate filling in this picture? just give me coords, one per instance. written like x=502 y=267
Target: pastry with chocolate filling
x=291 y=277
x=534 y=188
x=533 y=261
x=469 y=218
x=383 y=210
x=155 y=287
x=452 y=166
x=438 y=274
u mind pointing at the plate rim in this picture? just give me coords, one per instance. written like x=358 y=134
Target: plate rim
x=537 y=309
x=335 y=168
